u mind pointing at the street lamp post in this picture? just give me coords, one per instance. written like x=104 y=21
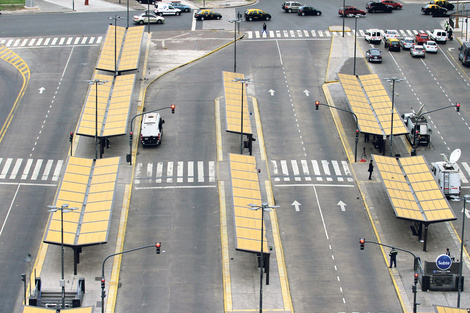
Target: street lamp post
x=355 y=42
x=264 y=207
x=465 y=199
x=64 y=208
x=115 y=18
x=392 y=80
x=235 y=22
x=243 y=81
x=344 y=12
x=96 y=82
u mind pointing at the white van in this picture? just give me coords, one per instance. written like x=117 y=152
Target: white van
x=151 y=131
x=439 y=35
x=165 y=9
x=373 y=36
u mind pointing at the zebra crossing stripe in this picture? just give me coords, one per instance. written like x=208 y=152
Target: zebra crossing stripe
x=31 y=43
x=27 y=168
x=16 y=168
x=179 y=172
x=295 y=169
x=200 y=171
x=39 y=42
x=190 y=172
x=346 y=168
x=58 y=167
x=169 y=172
x=305 y=170
x=149 y=171
x=6 y=167
x=285 y=171
x=467 y=168
x=306 y=34
x=159 y=172
x=61 y=41
x=47 y=170
x=211 y=171
x=275 y=170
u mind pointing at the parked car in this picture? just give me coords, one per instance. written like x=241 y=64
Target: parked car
x=305 y=10
x=183 y=7
x=291 y=6
x=378 y=6
x=417 y=51
x=145 y=18
x=350 y=11
x=207 y=15
x=389 y=33
x=393 y=44
x=374 y=55
x=146 y=1
x=166 y=9
x=394 y=4
x=439 y=35
x=430 y=46
x=421 y=38
x=443 y=4
x=406 y=43
x=373 y=36
x=434 y=9
x=256 y=15
x=464 y=53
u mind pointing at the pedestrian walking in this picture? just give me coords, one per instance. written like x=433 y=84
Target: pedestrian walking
x=447 y=252
x=371 y=169
x=393 y=257
x=264 y=29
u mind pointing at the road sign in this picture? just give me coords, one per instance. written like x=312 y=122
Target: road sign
x=443 y=262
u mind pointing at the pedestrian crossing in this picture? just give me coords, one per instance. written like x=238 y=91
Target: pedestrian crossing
x=175 y=172
x=51 y=41
x=310 y=170
x=279 y=34
x=30 y=169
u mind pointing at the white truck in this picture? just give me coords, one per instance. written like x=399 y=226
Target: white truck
x=447 y=173
x=151 y=131
x=419 y=132
x=373 y=36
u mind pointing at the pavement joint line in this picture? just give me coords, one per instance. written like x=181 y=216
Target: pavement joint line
x=218 y=131
x=315 y=185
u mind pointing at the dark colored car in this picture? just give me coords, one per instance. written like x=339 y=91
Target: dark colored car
x=443 y=4
x=434 y=9
x=350 y=11
x=374 y=55
x=182 y=7
x=305 y=10
x=375 y=7
x=392 y=44
x=146 y=1
x=256 y=15
x=394 y=4
x=207 y=15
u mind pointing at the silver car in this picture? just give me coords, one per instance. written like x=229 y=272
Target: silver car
x=417 y=51
x=406 y=43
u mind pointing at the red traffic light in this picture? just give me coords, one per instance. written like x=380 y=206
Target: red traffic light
x=317 y=104
x=172 y=109
x=362 y=241
x=158 y=245
x=457 y=107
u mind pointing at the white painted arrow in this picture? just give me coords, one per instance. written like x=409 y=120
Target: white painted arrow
x=342 y=205
x=450 y=49
x=296 y=205
x=41 y=90
x=306 y=92
x=271 y=92
x=467 y=213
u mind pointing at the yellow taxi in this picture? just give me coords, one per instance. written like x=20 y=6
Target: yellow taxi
x=393 y=44
x=256 y=15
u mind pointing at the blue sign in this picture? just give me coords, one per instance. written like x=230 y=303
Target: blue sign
x=443 y=262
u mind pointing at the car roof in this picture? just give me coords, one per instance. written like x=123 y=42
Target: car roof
x=408 y=38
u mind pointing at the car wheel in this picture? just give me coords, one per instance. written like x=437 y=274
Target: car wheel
x=219 y=17
x=178 y=13
x=318 y=13
x=161 y=14
x=159 y=21
x=267 y=18
x=303 y=13
x=289 y=11
x=202 y=18
x=141 y=22
x=399 y=8
x=186 y=10
x=250 y=19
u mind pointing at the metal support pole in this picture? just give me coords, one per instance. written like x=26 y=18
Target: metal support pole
x=103 y=284
x=96 y=122
x=415 y=291
x=243 y=81
x=461 y=250
x=344 y=11
x=355 y=42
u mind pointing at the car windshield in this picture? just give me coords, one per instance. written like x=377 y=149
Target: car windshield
x=375 y=52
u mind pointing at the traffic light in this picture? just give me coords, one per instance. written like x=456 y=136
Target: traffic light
x=131 y=136
x=103 y=283
x=317 y=104
x=457 y=107
x=416 y=278
x=172 y=109
x=158 y=245
x=362 y=241
x=71 y=137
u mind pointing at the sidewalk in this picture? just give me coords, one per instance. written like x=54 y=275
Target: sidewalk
x=389 y=229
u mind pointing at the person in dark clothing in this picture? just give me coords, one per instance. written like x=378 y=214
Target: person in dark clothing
x=264 y=29
x=371 y=169
x=393 y=257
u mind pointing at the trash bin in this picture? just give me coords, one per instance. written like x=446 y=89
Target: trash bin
x=413 y=152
